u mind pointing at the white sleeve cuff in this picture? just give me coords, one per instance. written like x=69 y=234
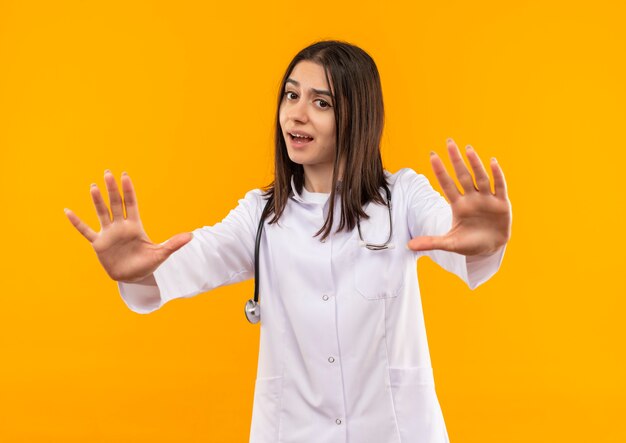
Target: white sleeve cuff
x=141 y=299
x=144 y=299
x=482 y=268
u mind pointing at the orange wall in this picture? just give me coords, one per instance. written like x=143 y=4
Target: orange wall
x=182 y=96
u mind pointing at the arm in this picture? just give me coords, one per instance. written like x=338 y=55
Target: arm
x=216 y=256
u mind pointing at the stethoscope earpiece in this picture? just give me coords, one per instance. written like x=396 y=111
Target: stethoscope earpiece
x=387 y=244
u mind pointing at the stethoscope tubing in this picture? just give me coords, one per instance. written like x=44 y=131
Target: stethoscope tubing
x=253 y=308
x=257 y=247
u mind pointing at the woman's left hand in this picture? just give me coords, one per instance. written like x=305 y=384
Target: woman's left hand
x=481 y=219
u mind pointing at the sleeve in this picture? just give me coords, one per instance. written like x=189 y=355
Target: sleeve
x=430 y=214
x=216 y=256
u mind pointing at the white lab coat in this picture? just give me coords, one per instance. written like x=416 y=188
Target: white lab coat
x=343 y=350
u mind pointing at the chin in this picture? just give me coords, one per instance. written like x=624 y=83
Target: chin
x=297 y=157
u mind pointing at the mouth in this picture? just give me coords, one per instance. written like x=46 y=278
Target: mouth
x=299 y=138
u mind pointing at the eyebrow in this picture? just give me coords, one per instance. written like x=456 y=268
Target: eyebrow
x=317 y=91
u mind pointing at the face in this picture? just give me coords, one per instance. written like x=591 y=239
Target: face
x=307 y=109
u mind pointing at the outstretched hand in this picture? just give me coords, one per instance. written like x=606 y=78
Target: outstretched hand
x=481 y=219
x=122 y=246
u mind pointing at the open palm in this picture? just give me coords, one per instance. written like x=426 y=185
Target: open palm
x=481 y=219
x=122 y=246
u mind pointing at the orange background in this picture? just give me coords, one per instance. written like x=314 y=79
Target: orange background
x=182 y=96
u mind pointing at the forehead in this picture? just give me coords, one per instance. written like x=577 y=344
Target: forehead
x=309 y=75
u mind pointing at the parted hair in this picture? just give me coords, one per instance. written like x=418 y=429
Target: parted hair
x=359 y=120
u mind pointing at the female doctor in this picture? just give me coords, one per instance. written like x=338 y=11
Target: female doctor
x=343 y=350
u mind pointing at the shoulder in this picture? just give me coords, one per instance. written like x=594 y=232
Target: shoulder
x=413 y=190
x=406 y=180
x=255 y=195
x=250 y=205
x=254 y=199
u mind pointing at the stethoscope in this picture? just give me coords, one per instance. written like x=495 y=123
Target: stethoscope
x=253 y=308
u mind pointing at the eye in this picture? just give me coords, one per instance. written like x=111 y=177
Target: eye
x=323 y=104
x=287 y=94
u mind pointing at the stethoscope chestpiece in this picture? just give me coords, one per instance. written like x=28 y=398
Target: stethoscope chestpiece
x=253 y=311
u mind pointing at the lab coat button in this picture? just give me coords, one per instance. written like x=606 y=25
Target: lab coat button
x=338 y=421
x=331 y=359
x=324 y=297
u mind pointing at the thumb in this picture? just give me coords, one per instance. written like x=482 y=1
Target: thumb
x=428 y=243
x=175 y=243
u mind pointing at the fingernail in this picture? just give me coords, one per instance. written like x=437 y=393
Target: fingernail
x=449 y=140
x=432 y=153
x=493 y=159
x=124 y=173
x=106 y=170
x=468 y=147
x=93 y=184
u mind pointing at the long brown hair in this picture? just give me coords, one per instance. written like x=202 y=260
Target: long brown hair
x=359 y=120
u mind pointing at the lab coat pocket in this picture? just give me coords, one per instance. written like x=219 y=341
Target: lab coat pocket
x=266 y=410
x=378 y=274
x=417 y=408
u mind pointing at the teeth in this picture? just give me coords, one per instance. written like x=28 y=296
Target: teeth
x=299 y=136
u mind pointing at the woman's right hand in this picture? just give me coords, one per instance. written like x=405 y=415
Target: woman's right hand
x=122 y=246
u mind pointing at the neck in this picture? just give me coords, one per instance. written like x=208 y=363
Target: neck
x=319 y=178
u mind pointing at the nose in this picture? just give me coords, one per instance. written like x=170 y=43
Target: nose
x=298 y=112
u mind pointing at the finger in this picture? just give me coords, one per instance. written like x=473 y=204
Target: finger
x=462 y=173
x=428 y=243
x=114 y=196
x=445 y=181
x=85 y=230
x=130 y=199
x=101 y=207
x=498 y=179
x=480 y=174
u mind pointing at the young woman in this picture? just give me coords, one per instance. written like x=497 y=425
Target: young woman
x=343 y=352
